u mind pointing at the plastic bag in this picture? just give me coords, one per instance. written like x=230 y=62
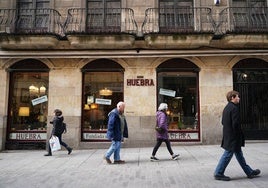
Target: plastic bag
x=54 y=143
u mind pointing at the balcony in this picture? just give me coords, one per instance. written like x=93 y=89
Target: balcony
x=29 y=28
x=101 y=28
x=243 y=27
x=175 y=28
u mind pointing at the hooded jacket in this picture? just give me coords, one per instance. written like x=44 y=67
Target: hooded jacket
x=57 y=125
x=114 y=127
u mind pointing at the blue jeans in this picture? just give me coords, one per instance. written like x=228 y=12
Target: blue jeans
x=114 y=149
x=226 y=158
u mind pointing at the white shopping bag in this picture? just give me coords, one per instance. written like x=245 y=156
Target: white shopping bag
x=54 y=143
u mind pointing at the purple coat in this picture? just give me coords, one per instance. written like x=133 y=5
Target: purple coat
x=162 y=122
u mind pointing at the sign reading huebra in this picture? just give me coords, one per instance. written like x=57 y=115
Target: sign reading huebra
x=140 y=81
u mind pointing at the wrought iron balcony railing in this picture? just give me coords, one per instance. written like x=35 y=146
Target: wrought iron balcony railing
x=178 y=20
x=100 y=21
x=31 y=21
x=243 y=20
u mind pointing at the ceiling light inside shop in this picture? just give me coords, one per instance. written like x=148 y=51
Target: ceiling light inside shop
x=106 y=92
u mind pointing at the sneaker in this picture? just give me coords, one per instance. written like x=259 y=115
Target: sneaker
x=153 y=158
x=107 y=160
x=222 y=177
x=119 y=162
x=254 y=173
x=175 y=157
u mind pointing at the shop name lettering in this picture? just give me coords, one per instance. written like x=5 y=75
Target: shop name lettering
x=140 y=82
x=28 y=136
x=184 y=136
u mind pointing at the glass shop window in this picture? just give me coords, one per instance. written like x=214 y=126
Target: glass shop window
x=102 y=91
x=179 y=91
x=28 y=108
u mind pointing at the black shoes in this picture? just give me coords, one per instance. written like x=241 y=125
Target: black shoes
x=69 y=150
x=175 y=157
x=254 y=173
x=48 y=154
x=153 y=158
x=222 y=177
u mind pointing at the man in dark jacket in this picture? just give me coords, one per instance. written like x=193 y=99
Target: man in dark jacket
x=117 y=130
x=233 y=139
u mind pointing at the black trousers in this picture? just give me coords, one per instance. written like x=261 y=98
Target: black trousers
x=158 y=144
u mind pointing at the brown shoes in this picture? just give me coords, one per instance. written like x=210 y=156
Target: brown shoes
x=108 y=160
x=119 y=162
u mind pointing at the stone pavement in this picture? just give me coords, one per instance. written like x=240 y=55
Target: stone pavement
x=87 y=169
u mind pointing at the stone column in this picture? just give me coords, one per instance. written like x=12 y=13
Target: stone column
x=140 y=101
x=215 y=82
x=3 y=108
x=65 y=93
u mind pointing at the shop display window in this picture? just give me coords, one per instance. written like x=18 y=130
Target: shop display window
x=179 y=91
x=26 y=112
x=102 y=91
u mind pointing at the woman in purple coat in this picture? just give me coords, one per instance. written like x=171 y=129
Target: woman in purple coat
x=162 y=133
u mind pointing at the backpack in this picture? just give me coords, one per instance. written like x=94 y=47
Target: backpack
x=63 y=128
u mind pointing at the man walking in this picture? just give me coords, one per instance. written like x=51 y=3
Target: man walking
x=117 y=130
x=233 y=139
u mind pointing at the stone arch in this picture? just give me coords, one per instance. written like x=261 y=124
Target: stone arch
x=178 y=63
x=251 y=63
x=197 y=62
x=29 y=64
x=84 y=62
x=236 y=59
x=11 y=62
x=102 y=64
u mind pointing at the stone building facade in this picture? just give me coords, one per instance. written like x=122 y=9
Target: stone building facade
x=189 y=54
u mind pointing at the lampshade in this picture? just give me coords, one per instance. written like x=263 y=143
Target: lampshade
x=42 y=90
x=86 y=107
x=33 y=90
x=93 y=106
x=106 y=92
x=24 y=111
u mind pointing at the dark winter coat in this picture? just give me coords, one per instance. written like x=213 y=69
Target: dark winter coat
x=162 y=122
x=57 y=125
x=114 y=127
x=233 y=137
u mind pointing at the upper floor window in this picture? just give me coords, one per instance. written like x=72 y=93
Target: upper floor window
x=176 y=15
x=25 y=4
x=249 y=3
x=104 y=4
x=103 y=14
x=250 y=14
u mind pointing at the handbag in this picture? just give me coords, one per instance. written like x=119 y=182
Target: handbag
x=159 y=129
x=54 y=143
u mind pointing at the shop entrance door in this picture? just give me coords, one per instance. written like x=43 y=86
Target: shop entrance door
x=252 y=84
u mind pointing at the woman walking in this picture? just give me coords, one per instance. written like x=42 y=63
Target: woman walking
x=162 y=132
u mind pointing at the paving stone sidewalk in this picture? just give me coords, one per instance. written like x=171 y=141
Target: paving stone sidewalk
x=87 y=169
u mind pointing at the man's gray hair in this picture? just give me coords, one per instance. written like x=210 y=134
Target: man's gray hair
x=120 y=104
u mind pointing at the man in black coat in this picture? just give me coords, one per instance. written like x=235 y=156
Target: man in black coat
x=233 y=139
